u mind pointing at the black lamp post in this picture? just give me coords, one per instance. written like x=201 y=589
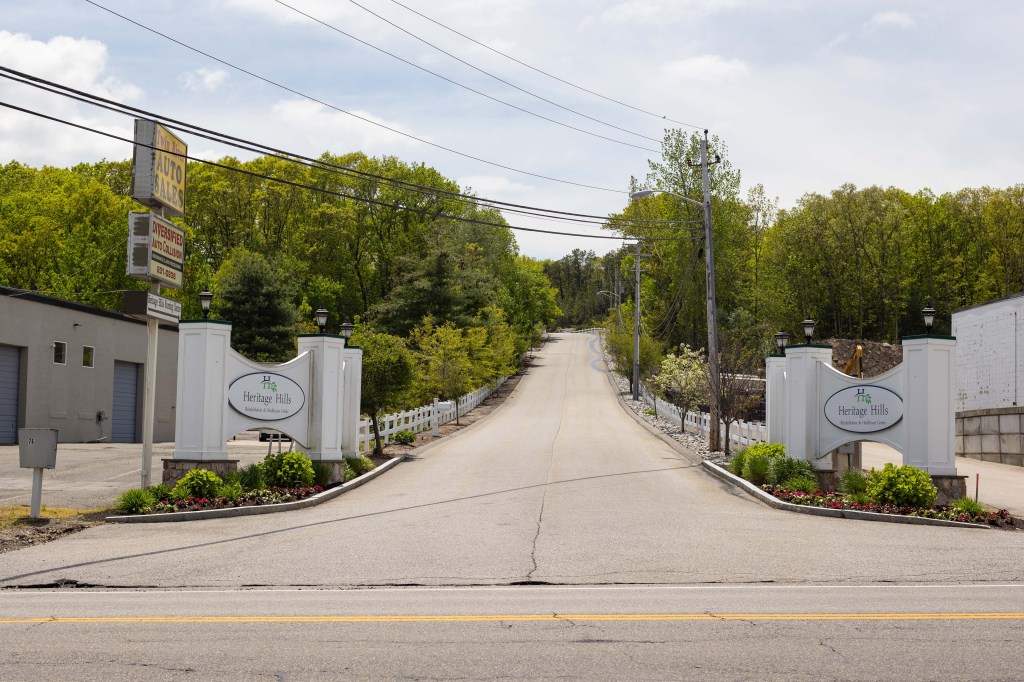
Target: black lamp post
x=808 y=329
x=346 y=331
x=781 y=338
x=205 y=297
x=929 y=318
x=321 y=318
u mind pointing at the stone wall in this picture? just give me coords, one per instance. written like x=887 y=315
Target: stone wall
x=175 y=469
x=993 y=435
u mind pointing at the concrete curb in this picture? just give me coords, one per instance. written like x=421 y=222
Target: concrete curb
x=773 y=501
x=230 y=512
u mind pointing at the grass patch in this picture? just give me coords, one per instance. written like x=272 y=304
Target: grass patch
x=18 y=514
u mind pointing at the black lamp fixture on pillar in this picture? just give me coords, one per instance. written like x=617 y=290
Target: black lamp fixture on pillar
x=929 y=318
x=808 y=329
x=205 y=298
x=321 y=318
x=781 y=338
x=346 y=331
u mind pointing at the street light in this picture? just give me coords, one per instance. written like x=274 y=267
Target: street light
x=205 y=297
x=808 y=329
x=321 y=318
x=929 y=318
x=781 y=338
x=346 y=331
x=709 y=259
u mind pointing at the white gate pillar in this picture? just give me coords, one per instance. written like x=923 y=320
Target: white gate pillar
x=775 y=398
x=929 y=411
x=350 y=409
x=327 y=393
x=802 y=400
x=202 y=403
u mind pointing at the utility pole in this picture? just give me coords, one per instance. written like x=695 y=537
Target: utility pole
x=636 y=329
x=709 y=259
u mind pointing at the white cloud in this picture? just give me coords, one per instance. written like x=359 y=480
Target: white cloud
x=338 y=131
x=494 y=186
x=204 y=79
x=709 y=68
x=898 y=19
x=79 y=63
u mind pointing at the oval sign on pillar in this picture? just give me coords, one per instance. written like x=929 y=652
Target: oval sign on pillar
x=864 y=409
x=266 y=396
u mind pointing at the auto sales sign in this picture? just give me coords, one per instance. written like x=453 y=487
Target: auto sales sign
x=158 y=168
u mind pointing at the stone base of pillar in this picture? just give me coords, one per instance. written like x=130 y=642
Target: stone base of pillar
x=337 y=468
x=950 y=488
x=175 y=469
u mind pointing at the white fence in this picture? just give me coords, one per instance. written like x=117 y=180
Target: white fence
x=422 y=418
x=740 y=432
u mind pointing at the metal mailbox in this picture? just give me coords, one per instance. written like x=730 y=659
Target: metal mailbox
x=37 y=448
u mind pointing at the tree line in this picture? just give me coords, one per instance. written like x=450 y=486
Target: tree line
x=455 y=299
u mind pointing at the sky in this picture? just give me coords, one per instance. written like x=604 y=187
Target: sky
x=806 y=95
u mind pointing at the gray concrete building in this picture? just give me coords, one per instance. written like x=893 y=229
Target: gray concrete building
x=79 y=369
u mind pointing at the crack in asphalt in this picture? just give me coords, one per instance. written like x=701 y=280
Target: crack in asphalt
x=551 y=466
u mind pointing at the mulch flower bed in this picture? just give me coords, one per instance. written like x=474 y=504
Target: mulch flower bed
x=250 y=499
x=1001 y=518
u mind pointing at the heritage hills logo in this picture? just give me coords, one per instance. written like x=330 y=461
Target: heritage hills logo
x=265 y=396
x=864 y=409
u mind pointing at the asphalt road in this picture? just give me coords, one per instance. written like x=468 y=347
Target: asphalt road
x=556 y=503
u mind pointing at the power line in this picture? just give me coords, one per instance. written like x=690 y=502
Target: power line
x=545 y=73
x=316 y=164
x=348 y=113
x=322 y=190
x=483 y=71
x=468 y=88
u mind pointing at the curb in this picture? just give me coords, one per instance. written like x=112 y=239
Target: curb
x=230 y=512
x=776 y=503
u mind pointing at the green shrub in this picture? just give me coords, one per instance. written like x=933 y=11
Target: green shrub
x=231 y=491
x=196 y=483
x=252 y=477
x=903 y=486
x=360 y=465
x=289 y=470
x=736 y=463
x=232 y=477
x=853 y=482
x=781 y=470
x=968 y=506
x=160 y=491
x=135 y=501
x=321 y=474
x=350 y=473
x=405 y=437
x=757 y=458
x=801 y=484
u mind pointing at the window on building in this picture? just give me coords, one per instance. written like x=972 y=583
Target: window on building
x=60 y=353
x=87 y=356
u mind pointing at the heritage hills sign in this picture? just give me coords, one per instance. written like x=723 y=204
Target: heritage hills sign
x=864 y=409
x=266 y=396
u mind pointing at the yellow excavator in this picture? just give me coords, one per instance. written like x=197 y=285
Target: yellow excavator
x=855 y=367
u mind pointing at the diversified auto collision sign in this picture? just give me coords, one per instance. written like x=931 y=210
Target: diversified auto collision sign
x=158 y=169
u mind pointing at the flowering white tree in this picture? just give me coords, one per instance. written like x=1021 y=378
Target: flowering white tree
x=683 y=379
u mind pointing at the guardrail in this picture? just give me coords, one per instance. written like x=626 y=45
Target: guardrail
x=422 y=418
x=740 y=432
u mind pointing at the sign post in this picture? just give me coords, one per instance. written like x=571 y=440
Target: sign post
x=156 y=247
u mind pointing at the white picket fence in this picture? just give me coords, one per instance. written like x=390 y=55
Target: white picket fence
x=742 y=433
x=422 y=418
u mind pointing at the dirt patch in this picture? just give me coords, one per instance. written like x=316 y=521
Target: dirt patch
x=877 y=357
x=24 y=532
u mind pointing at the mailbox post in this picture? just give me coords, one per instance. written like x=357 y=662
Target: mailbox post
x=37 y=450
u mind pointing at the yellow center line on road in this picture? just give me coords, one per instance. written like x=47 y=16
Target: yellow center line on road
x=613 y=617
